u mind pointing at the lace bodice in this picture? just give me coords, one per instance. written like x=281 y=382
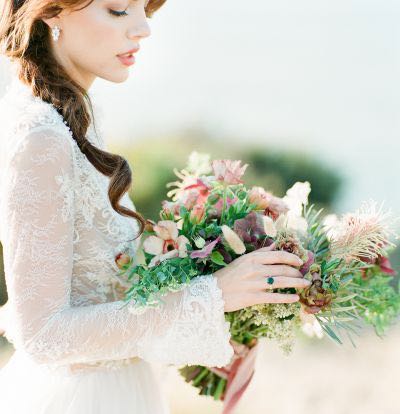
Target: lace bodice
x=60 y=237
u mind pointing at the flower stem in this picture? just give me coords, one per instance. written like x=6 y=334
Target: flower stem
x=220 y=389
x=223 y=205
x=202 y=374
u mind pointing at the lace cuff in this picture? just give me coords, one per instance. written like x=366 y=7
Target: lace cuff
x=199 y=335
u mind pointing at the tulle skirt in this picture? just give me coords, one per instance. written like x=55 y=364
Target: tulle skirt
x=29 y=388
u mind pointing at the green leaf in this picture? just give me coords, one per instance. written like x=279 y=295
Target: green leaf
x=331 y=333
x=161 y=276
x=217 y=258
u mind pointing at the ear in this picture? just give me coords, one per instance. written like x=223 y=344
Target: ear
x=52 y=21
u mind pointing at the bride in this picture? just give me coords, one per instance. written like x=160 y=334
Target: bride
x=66 y=218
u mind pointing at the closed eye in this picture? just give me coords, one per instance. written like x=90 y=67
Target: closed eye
x=118 y=13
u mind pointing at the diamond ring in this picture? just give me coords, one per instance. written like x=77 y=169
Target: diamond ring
x=270 y=280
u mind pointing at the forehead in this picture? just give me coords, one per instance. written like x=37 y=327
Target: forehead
x=145 y=2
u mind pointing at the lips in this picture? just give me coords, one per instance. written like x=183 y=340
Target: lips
x=128 y=53
x=127 y=58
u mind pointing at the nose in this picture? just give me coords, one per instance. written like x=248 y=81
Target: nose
x=139 y=30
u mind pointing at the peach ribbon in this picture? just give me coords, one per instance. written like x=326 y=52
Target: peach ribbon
x=238 y=374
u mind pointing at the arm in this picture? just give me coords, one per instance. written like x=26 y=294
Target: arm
x=37 y=220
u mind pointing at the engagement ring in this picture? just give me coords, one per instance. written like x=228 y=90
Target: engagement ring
x=270 y=280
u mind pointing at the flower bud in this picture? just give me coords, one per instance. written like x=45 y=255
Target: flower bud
x=122 y=259
x=233 y=240
x=197 y=214
x=149 y=226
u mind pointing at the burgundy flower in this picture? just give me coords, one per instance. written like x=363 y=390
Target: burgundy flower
x=386 y=266
x=250 y=228
x=383 y=262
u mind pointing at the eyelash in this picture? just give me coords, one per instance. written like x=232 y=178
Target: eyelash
x=117 y=13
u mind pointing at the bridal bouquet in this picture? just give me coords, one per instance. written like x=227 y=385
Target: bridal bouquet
x=211 y=218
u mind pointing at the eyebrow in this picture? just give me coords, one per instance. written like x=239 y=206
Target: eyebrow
x=145 y=4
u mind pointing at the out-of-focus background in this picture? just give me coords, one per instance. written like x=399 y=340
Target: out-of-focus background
x=300 y=90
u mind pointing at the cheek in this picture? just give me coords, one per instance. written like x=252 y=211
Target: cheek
x=92 y=37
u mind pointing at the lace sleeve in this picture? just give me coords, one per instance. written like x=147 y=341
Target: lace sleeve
x=37 y=222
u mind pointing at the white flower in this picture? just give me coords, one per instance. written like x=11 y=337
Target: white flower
x=296 y=198
x=310 y=325
x=313 y=329
x=269 y=226
x=330 y=225
x=291 y=222
x=298 y=193
x=199 y=163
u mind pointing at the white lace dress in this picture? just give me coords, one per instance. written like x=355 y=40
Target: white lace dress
x=78 y=349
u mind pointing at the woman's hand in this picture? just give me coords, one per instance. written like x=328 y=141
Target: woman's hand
x=243 y=281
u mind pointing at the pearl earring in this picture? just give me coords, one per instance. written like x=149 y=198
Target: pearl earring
x=55 y=32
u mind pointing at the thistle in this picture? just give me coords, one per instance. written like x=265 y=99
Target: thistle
x=362 y=235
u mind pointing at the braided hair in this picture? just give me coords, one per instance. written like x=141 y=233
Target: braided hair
x=25 y=38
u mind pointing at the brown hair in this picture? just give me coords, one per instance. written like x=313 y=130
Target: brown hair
x=26 y=38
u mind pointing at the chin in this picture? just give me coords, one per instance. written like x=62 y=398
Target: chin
x=116 y=77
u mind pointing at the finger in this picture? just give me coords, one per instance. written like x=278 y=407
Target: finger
x=266 y=297
x=282 y=282
x=278 y=270
x=268 y=248
x=275 y=257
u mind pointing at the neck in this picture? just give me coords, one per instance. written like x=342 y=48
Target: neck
x=78 y=74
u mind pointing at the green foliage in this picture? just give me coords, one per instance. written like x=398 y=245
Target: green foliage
x=362 y=293
x=378 y=301
x=150 y=284
x=316 y=240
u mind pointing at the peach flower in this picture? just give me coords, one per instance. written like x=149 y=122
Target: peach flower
x=166 y=243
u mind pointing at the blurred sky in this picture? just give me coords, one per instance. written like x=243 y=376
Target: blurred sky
x=319 y=75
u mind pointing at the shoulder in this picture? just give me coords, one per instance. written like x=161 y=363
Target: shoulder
x=21 y=111
x=31 y=126
x=41 y=146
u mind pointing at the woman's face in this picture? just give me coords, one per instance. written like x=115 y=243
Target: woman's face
x=92 y=38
